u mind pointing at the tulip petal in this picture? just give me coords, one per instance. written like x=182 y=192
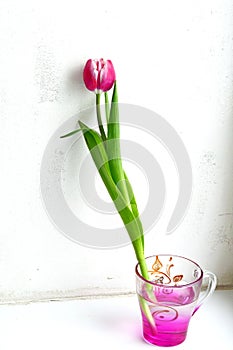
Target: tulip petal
x=99 y=75
x=107 y=76
x=90 y=75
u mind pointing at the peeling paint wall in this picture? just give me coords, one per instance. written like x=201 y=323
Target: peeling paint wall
x=172 y=57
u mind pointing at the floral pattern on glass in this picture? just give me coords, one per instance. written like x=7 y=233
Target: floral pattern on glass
x=163 y=274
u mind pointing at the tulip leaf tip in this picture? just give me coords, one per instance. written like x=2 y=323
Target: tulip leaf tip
x=70 y=133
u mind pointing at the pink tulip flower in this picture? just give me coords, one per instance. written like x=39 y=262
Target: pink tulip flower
x=99 y=75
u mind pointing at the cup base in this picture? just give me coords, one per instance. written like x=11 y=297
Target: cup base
x=165 y=340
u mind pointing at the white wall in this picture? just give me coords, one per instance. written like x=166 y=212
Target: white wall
x=174 y=57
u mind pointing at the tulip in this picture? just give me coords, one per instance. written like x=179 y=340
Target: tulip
x=99 y=75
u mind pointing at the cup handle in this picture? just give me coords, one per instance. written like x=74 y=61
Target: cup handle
x=212 y=283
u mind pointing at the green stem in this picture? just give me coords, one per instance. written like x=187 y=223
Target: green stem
x=144 y=272
x=98 y=113
x=143 y=303
x=107 y=108
x=143 y=267
x=146 y=310
x=109 y=165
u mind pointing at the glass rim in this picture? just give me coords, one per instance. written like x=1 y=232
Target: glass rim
x=138 y=274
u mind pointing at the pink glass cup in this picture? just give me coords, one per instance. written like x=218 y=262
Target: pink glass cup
x=171 y=296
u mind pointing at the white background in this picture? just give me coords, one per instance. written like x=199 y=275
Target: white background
x=68 y=325
x=174 y=57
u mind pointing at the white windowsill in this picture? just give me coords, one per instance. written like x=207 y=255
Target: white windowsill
x=108 y=323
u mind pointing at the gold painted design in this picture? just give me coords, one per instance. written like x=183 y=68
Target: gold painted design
x=163 y=274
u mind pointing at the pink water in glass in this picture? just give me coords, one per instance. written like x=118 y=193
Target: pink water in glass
x=172 y=313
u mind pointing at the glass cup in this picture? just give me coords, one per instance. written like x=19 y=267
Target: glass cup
x=171 y=296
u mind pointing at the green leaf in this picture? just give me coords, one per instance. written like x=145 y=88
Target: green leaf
x=96 y=146
x=70 y=133
x=132 y=199
x=113 y=146
x=134 y=206
x=115 y=162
